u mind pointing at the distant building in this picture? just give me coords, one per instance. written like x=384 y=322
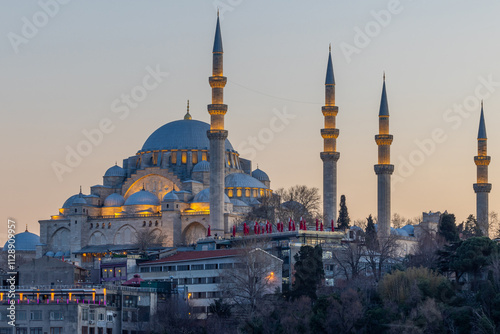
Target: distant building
x=50 y=271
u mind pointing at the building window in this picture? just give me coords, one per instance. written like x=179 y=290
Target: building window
x=144 y=269
x=56 y=330
x=195 y=157
x=101 y=316
x=21 y=315
x=36 y=315
x=109 y=225
x=184 y=157
x=203 y=156
x=173 y=158
x=56 y=315
x=100 y=330
x=110 y=318
x=196 y=267
x=21 y=330
x=230 y=193
x=144 y=223
x=91 y=330
x=211 y=266
x=85 y=330
x=226 y=266
x=85 y=314
x=255 y=193
x=156 y=269
x=238 y=193
x=168 y=268
x=38 y=330
x=183 y=268
x=5 y=330
x=247 y=192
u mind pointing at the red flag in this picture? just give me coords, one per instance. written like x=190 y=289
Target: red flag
x=322 y=226
x=290 y=224
x=245 y=229
x=270 y=228
x=208 y=232
x=255 y=230
x=333 y=228
x=293 y=225
x=317 y=224
x=234 y=230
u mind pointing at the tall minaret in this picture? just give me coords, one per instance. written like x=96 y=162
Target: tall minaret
x=384 y=168
x=482 y=188
x=217 y=136
x=330 y=156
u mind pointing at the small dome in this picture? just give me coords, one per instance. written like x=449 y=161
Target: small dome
x=204 y=197
x=59 y=254
x=142 y=197
x=79 y=201
x=202 y=166
x=402 y=232
x=237 y=202
x=115 y=171
x=409 y=228
x=170 y=197
x=260 y=175
x=49 y=253
x=67 y=254
x=244 y=181
x=114 y=200
x=69 y=201
x=25 y=241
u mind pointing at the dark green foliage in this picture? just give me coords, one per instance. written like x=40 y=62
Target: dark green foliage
x=308 y=271
x=447 y=228
x=220 y=308
x=469 y=228
x=371 y=239
x=343 y=220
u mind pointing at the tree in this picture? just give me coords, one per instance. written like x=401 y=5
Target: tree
x=146 y=239
x=381 y=253
x=425 y=252
x=447 y=228
x=470 y=228
x=308 y=271
x=343 y=220
x=398 y=221
x=347 y=257
x=371 y=239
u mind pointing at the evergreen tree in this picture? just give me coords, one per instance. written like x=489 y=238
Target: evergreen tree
x=371 y=240
x=447 y=228
x=308 y=271
x=470 y=229
x=343 y=220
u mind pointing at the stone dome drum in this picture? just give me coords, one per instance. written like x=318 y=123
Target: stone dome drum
x=181 y=135
x=25 y=241
x=142 y=197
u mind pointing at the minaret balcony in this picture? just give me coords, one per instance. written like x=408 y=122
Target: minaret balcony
x=327 y=156
x=482 y=187
x=217 y=82
x=330 y=110
x=217 y=134
x=329 y=133
x=383 y=139
x=384 y=169
x=482 y=160
x=217 y=109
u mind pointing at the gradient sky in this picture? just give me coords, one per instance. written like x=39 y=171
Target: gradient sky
x=65 y=77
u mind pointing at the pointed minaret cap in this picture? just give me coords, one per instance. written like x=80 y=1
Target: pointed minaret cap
x=330 y=79
x=384 y=106
x=482 y=126
x=188 y=115
x=218 y=38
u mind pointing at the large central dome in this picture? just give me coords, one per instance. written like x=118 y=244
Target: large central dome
x=181 y=135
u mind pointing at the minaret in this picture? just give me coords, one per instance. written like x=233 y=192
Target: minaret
x=482 y=188
x=217 y=136
x=330 y=156
x=384 y=169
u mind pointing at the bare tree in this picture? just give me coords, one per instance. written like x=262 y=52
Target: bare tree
x=348 y=257
x=308 y=198
x=247 y=286
x=381 y=253
x=424 y=252
x=146 y=239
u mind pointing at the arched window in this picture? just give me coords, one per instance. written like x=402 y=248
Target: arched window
x=230 y=193
x=194 y=157
x=247 y=192
x=238 y=192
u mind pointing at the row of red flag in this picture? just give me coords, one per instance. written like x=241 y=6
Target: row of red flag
x=280 y=226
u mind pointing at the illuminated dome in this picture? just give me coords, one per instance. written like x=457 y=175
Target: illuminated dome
x=204 y=197
x=114 y=200
x=181 y=135
x=142 y=197
x=260 y=175
x=25 y=241
x=170 y=196
x=202 y=166
x=116 y=171
x=243 y=180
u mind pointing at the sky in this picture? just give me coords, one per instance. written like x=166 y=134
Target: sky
x=65 y=66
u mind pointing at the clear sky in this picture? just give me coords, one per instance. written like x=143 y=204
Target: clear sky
x=61 y=73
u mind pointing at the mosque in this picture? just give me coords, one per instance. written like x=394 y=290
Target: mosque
x=187 y=178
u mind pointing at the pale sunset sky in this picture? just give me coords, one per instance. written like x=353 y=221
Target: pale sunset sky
x=65 y=63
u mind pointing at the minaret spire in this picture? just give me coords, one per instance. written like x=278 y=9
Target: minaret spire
x=330 y=156
x=188 y=115
x=482 y=188
x=217 y=135
x=384 y=169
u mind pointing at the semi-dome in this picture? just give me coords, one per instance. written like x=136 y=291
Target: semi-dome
x=142 y=197
x=202 y=166
x=260 y=175
x=116 y=171
x=25 y=241
x=181 y=135
x=114 y=200
x=237 y=202
x=170 y=197
x=243 y=180
x=204 y=197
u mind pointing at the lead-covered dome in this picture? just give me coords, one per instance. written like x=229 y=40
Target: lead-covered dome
x=181 y=135
x=116 y=171
x=114 y=200
x=204 y=197
x=260 y=175
x=142 y=197
x=25 y=241
x=202 y=166
x=243 y=180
